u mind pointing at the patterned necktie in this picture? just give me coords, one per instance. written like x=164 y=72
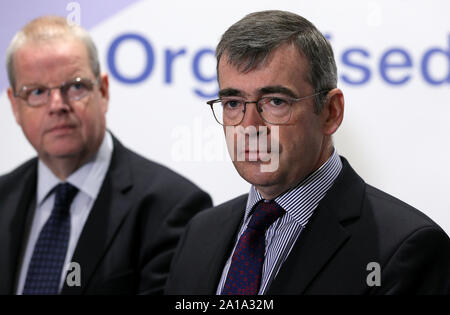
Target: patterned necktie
x=244 y=276
x=44 y=271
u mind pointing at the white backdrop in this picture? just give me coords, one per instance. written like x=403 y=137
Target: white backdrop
x=394 y=69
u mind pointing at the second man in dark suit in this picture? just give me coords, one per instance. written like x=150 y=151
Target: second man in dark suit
x=87 y=216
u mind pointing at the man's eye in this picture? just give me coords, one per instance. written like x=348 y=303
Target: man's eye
x=276 y=101
x=231 y=103
x=77 y=86
x=37 y=91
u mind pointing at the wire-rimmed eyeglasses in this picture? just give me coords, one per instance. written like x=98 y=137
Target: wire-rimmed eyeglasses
x=275 y=110
x=72 y=90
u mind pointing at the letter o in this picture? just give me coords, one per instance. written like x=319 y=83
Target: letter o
x=112 y=58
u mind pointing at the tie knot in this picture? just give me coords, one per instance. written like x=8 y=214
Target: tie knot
x=264 y=215
x=64 y=194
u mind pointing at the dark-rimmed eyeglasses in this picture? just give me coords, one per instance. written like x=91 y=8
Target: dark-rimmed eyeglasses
x=275 y=110
x=72 y=90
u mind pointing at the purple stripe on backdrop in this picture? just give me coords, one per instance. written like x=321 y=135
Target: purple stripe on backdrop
x=14 y=14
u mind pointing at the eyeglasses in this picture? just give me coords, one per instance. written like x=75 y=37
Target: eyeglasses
x=275 y=110
x=73 y=90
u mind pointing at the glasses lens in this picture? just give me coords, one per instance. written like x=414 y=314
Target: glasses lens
x=218 y=112
x=229 y=112
x=36 y=96
x=77 y=90
x=275 y=110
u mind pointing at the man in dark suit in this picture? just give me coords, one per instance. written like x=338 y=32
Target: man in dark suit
x=87 y=216
x=310 y=224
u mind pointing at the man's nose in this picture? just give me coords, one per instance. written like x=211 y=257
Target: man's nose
x=57 y=102
x=252 y=116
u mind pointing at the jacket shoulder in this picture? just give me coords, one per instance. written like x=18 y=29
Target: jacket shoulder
x=390 y=222
x=155 y=176
x=414 y=250
x=8 y=180
x=396 y=212
x=216 y=214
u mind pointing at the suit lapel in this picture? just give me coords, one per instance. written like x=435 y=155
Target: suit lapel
x=13 y=227
x=323 y=236
x=317 y=243
x=108 y=212
x=222 y=245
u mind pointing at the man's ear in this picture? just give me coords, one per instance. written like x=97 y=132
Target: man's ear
x=332 y=113
x=104 y=90
x=14 y=105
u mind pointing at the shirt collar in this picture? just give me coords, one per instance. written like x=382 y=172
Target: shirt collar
x=88 y=178
x=46 y=182
x=301 y=201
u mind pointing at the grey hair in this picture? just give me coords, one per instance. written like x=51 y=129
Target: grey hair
x=47 y=28
x=249 y=42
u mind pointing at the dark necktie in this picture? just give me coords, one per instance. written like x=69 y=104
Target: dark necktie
x=44 y=271
x=244 y=276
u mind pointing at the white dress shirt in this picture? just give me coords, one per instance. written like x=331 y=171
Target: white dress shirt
x=88 y=179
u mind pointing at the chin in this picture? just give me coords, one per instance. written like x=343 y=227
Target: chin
x=64 y=151
x=251 y=172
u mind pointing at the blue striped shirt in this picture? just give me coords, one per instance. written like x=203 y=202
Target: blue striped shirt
x=299 y=204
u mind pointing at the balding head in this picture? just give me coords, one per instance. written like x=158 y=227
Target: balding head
x=48 y=28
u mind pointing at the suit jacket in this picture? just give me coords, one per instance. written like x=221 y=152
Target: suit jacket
x=354 y=224
x=130 y=235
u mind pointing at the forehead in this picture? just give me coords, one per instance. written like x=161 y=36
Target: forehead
x=50 y=61
x=285 y=66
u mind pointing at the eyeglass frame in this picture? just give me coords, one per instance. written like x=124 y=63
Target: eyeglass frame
x=292 y=100
x=90 y=85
